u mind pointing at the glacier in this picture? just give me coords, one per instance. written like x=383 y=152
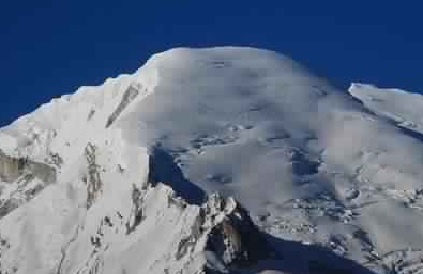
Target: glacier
x=215 y=160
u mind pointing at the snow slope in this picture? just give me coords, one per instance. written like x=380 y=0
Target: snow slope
x=402 y=107
x=329 y=180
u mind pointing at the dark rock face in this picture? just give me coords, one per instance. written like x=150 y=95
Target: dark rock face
x=236 y=241
x=13 y=168
x=20 y=172
x=130 y=94
x=137 y=211
x=93 y=180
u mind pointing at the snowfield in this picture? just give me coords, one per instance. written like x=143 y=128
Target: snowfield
x=124 y=177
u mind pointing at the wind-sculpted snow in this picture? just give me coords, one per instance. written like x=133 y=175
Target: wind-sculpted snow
x=332 y=184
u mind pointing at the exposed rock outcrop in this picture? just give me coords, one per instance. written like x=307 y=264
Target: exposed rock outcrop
x=93 y=179
x=24 y=179
x=12 y=168
x=130 y=94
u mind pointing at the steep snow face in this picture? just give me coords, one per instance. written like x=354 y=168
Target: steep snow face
x=213 y=107
x=116 y=178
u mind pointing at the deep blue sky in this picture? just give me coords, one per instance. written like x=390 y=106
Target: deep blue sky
x=49 y=48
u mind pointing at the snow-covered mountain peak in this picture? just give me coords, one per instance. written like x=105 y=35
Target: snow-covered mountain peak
x=122 y=178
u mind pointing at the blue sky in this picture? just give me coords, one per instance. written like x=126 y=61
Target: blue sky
x=49 y=48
